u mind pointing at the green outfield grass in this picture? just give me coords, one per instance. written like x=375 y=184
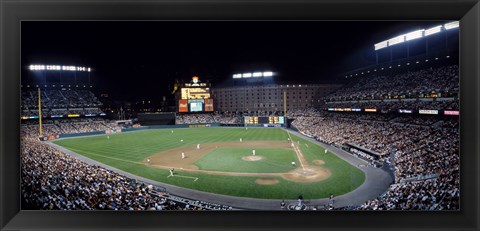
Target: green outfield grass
x=124 y=150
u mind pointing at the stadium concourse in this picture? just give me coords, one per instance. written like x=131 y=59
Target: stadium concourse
x=420 y=152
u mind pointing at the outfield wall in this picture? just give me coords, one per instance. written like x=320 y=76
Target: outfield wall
x=80 y=134
x=143 y=128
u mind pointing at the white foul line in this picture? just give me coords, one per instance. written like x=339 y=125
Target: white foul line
x=191 y=177
x=296 y=151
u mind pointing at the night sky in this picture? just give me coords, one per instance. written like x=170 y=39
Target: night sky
x=136 y=60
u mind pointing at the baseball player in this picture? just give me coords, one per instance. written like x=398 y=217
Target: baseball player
x=326 y=151
x=293 y=163
x=181 y=140
x=253 y=152
x=172 y=131
x=171 y=171
x=108 y=137
x=292 y=145
x=198 y=146
x=148 y=161
x=183 y=155
x=240 y=139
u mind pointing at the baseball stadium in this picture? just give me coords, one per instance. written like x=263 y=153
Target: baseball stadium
x=382 y=136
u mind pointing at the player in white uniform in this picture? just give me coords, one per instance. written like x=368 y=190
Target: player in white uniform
x=293 y=163
x=108 y=137
x=198 y=146
x=183 y=155
x=148 y=161
x=171 y=172
x=253 y=152
x=240 y=139
x=326 y=151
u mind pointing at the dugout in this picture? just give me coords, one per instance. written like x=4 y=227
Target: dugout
x=354 y=147
x=164 y=118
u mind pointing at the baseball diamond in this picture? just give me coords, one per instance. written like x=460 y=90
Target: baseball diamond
x=224 y=165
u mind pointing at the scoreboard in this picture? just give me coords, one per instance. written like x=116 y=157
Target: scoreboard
x=195 y=93
x=264 y=120
x=194 y=97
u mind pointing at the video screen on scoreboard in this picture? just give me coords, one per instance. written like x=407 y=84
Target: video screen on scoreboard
x=195 y=93
x=195 y=105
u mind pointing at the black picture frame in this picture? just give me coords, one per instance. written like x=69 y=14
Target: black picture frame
x=13 y=12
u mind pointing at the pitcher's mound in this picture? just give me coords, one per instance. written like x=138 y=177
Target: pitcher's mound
x=266 y=181
x=252 y=158
x=318 y=162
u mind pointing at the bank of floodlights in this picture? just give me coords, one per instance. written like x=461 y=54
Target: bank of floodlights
x=36 y=67
x=416 y=34
x=253 y=75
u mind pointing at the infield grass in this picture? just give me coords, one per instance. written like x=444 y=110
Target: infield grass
x=230 y=160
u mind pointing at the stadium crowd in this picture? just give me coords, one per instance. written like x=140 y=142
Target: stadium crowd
x=431 y=148
x=208 y=118
x=442 y=81
x=390 y=105
x=70 y=126
x=53 y=180
x=60 y=102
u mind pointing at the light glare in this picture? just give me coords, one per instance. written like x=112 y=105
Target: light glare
x=414 y=35
x=451 y=25
x=433 y=30
x=257 y=74
x=268 y=73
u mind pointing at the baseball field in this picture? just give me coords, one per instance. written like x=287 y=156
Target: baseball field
x=267 y=163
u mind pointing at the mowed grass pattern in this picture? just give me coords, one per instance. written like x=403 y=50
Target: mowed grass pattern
x=125 y=150
x=274 y=160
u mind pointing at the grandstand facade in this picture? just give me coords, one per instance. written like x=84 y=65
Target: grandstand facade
x=269 y=99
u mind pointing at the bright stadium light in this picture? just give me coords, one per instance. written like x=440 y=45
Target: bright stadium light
x=247 y=75
x=396 y=40
x=433 y=30
x=451 y=25
x=267 y=73
x=414 y=35
x=257 y=74
x=237 y=76
x=89 y=69
x=381 y=45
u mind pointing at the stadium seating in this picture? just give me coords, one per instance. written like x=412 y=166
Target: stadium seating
x=60 y=102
